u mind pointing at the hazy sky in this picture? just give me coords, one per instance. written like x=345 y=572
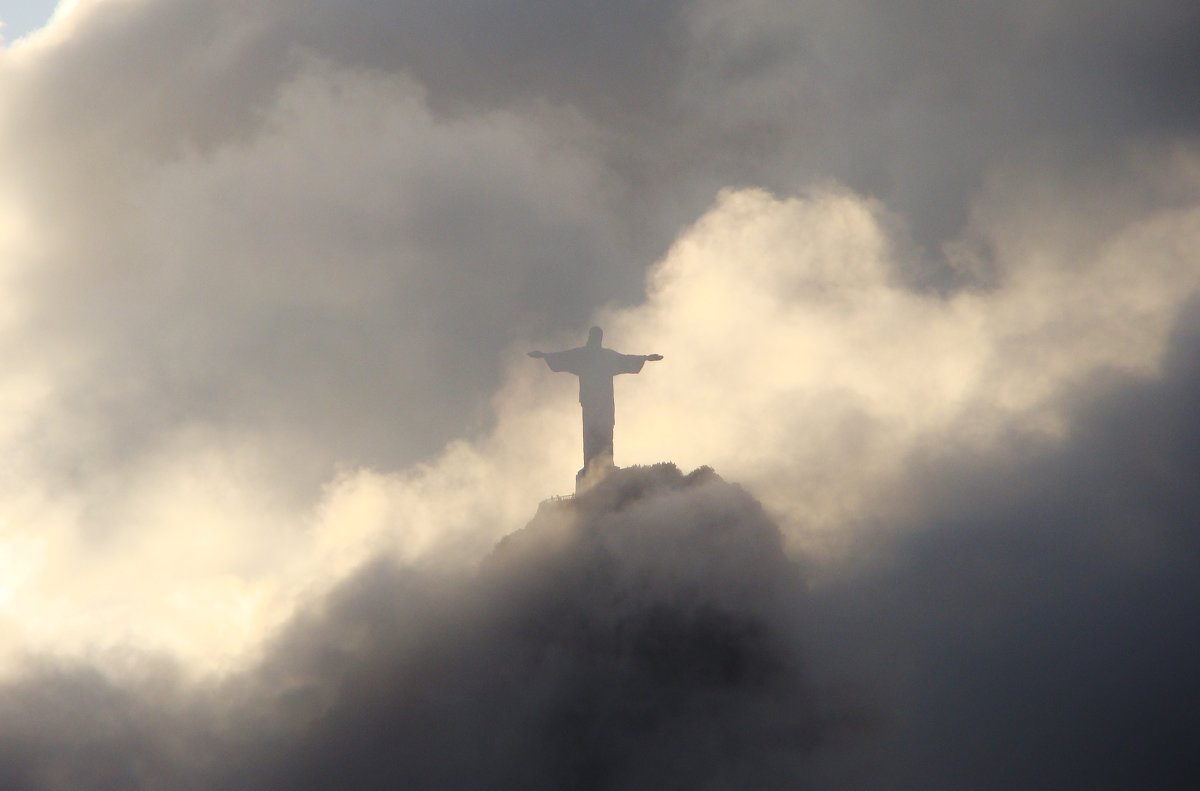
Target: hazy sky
x=924 y=275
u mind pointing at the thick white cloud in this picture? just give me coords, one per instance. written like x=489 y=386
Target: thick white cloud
x=801 y=366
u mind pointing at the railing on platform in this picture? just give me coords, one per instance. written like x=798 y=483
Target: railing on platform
x=556 y=500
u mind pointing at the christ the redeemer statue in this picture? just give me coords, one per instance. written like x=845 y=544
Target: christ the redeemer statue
x=596 y=366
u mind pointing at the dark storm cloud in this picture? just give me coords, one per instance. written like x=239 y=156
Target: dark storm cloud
x=914 y=102
x=918 y=102
x=609 y=57
x=68 y=727
x=1035 y=627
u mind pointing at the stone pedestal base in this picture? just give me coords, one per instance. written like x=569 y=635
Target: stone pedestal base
x=592 y=474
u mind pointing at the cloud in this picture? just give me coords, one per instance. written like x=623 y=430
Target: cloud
x=176 y=209
x=1039 y=604
x=832 y=375
x=646 y=632
x=796 y=349
x=267 y=272
x=1039 y=600
x=226 y=275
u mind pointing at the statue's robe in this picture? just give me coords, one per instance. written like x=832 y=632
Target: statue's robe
x=596 y=366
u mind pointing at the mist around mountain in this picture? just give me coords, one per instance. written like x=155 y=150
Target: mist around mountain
x=646 y=633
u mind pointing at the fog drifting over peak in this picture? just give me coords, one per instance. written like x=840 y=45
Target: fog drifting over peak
x=924 y=279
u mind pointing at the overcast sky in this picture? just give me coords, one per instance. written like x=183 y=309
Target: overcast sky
x=924 y=275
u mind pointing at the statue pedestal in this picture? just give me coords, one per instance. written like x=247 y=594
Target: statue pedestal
x=592 y=474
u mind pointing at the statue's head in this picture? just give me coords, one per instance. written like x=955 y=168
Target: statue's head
x=595 y=336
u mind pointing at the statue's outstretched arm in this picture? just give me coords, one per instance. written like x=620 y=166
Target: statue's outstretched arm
x=652 y=357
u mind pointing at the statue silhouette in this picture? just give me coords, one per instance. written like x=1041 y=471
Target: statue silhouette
x=596 y=366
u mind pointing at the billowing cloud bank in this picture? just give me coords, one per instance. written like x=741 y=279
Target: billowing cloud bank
x=925 y=281
x=812 y=383
x=646 y=633
x=654 y=632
